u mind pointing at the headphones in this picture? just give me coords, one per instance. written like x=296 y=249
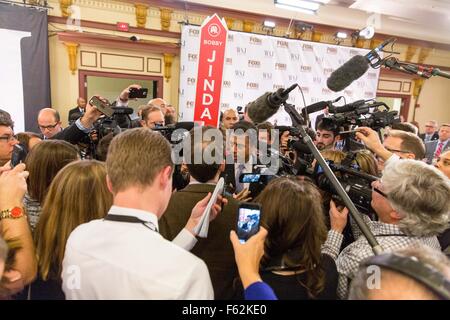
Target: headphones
x=415 y=269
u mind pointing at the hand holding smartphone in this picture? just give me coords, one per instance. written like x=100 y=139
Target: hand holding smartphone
x=102 y=106
x=135 y=93
x=249 y=216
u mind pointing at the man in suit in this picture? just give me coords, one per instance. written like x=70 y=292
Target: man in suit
x=321 y=116
x=78 y=111
x=216 y=250
x=431 y=133
x=433 y=149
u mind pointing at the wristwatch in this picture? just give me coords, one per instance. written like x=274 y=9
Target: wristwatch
x=14 y=213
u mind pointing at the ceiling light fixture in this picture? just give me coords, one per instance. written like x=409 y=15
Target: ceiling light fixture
x=303 y=6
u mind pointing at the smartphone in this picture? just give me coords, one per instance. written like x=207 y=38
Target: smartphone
x=18 y=155
x=137 y=93
x=250 y=177
x=249 y=215
x=102 y=106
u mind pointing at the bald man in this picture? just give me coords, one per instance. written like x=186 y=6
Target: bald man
x=229 y=118
x=158 y=102
x=78 y=111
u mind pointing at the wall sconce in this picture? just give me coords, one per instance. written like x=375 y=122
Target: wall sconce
x=269 y=26
x=339 y=37
x=301 y=28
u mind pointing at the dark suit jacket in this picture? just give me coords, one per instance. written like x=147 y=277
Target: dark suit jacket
x=216 y=250
x=430 y=147
x=74 y=114
x=70 y=134
x=434 y=137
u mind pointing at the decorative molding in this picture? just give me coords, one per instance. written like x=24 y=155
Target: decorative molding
x=406 y=86
x=110 y=5
x=168 y=58
x=248 y=26
x=159 y=62
x=64 y=5
x=72 y=51
x=122 y=58
x=141 y=14
x=389 y=85
x=166 y=17
x=423 y=54
x=85 y=54
x=410 y=52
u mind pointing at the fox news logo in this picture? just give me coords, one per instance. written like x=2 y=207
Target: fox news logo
x=280 y=66
x=192 y=56
x=293 y=78
x=194 y=32
x=348 y=93
x=238 y=95
x=307 y=47
x=326 y=91
x=268 y=53
x=372 y=75
x=226 y=84
x=252 y=85
x=241 y=51
x=229 y=60
x=317 y=80
x=305 y=89
x=191 y=81
x=230 y=37
x=327 y=71
x=189 y=104
x=331 y=50
x=305 y=68
x=282 y=44
x=254 y=64
x=239 y=73
x=267 y=76
x=255 y=40
x=277 y=86
x=295 y=56
x=354 y=52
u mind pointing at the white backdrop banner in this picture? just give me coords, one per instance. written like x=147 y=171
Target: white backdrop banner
x=255 y=64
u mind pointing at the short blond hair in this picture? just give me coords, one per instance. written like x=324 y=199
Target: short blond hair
x=410 y=142
x=135 y=157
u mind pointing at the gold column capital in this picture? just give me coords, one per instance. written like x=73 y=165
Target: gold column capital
x=166 y=17
x=64 y=5
x=316 y=36
x=141 y=14
x=248 y=26
x=374 y=43
x=418 y=83
x=168 y=58
x=410 y=52
x=72 y=51
x=229 y=22
x=423 y=54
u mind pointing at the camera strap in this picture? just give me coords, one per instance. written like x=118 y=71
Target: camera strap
x=130 y=219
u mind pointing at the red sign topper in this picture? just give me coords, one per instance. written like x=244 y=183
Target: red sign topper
x=210 y=69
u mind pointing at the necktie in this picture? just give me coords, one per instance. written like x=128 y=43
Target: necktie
x=439 y=150
x=239 y=171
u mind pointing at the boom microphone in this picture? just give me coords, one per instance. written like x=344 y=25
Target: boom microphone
x=268 y=104
x=354 y=68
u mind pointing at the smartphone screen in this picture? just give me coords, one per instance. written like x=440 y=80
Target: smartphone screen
x=249 y=177
x=249 y=215
x=138 y=93
x=102 y=106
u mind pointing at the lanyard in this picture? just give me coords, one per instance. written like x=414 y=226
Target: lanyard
x=131 y=219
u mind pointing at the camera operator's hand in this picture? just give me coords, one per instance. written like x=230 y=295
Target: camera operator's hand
x=243 y=196
x=91 y=115
x=372 y=141
x=338 y=217
x=124 y=95
x=197 y=211
x=248 y=256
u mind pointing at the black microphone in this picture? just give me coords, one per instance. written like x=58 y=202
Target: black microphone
x=268 y=104
x=355 y=68
x=347 y=108
x=318 y=106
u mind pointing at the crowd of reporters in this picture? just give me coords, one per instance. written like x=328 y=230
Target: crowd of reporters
x=108 y=215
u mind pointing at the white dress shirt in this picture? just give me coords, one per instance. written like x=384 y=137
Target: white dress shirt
x=122 y=260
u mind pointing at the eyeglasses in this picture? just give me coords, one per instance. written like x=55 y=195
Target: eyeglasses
x=395 y=150
x=8 y=138
x=377 y=190
x=49 y=127
x=429 y=126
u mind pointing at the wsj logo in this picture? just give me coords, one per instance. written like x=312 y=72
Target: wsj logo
x=224 y=105
x=238 y=95
x=252 y=85
x=319 y=60
x=181 y=91
x=314 y=100
x=268 y=54
x=282 y=44
x=194 y=32
x=348 y=93
x=241 y=50
x=327 y=71
x=277 y=86
x=305 y=68
x=305 y=90
x=354 y=52
x=317 y=80
x=360 y=83
x=191 y=81
x=267 y=76
x=182 y=68
x=293 y=78
x=307 y=47
x=369 y=94
x=229 y=60
x=226 y=84
x=254 y=64
x=239 y=73
x=292 y=100
x=255 y=40
x=280 y=66
x=331 y=50
x=192 y=56
x=230 y=38
x=326 y=91
x=372 y=75
x=189 y=104
x=341 y=62
x=295 y=56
